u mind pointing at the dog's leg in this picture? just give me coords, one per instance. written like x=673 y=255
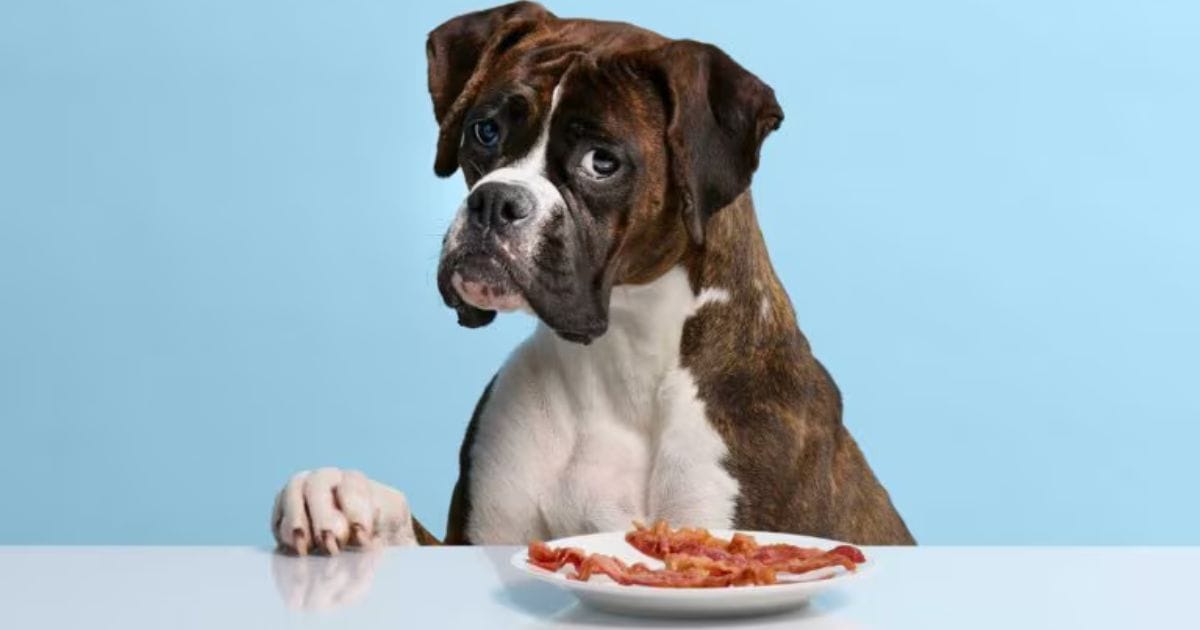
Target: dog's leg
x=331 y=509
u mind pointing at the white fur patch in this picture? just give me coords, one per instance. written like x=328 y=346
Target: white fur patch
x=712 y=295
x=576 y=439
x=528 y=171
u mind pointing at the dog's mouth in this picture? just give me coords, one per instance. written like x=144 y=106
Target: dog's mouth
x=477 y=282
x=477 y=285
x=488 y=295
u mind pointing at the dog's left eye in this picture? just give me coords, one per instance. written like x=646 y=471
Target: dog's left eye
x=487 y=132
x=600 y=164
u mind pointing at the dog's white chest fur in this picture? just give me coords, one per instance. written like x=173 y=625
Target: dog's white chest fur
x=577 y=439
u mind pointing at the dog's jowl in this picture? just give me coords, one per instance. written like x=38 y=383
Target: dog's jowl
x=608 y=172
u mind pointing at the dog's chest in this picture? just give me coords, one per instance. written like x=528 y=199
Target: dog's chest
x=576 y=439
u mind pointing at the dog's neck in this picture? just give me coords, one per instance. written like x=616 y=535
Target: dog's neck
x=735 y=257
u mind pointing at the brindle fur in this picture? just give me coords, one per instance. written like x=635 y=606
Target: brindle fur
x=775 y=405
x=773 y=402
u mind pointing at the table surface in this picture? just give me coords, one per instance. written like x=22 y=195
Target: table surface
x=240 y=587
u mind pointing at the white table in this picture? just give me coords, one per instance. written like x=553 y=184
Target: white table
x=231 y=588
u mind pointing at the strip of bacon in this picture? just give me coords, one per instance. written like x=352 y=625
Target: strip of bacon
x=694 y=558
x=551 y=559
x=659 y=540
x=741 y=572
x=853 y=553
x=688 y=577
x=772 y=554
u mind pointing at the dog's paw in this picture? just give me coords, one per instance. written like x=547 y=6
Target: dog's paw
x=331 y=509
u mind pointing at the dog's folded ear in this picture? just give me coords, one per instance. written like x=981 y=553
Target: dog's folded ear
x=457 y=52
x=718 y=116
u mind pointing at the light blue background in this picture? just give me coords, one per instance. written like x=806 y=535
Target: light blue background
x=219 y=228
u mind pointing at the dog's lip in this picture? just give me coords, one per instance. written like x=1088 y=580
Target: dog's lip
x=481 y=277
x=483 y=262
x=488 y=296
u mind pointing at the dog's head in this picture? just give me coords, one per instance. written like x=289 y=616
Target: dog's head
x=595 y=153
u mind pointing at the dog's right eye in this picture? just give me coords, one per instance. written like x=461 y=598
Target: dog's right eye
x=599 y=164
x=487 y=132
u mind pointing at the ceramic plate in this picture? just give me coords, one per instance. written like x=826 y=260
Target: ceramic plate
x=601 y=592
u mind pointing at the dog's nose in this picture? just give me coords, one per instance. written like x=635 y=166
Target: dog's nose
x=497 y=204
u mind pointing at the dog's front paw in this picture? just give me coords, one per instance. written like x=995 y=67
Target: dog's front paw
x=331 y=509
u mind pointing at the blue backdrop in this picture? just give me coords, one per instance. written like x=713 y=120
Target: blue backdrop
x=219 y=227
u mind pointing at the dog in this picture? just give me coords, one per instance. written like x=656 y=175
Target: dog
x=609 y=170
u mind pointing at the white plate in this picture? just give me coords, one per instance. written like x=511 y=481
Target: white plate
x=601 y=592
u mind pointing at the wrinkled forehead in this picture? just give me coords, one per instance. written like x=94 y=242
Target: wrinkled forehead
x=518 y=91
x=606 y=96
x=573 y=52
x=584 y=93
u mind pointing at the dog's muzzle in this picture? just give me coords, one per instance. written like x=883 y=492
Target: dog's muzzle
x=475 y=274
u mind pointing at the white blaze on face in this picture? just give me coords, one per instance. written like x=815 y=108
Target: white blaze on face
x=529 y=172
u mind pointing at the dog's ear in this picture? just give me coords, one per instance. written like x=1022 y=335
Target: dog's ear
x=457 y=51
x=718 y=116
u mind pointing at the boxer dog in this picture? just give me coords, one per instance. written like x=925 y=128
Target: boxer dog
x=608 y=170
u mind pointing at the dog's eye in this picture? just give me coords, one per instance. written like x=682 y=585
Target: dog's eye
x=487 y=132
x=600 y=164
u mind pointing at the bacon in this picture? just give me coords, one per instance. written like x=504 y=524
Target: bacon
x=694 y=558
x=853 y=553
x=597 y=562
x=663 y=578
x=774 y=554
x=551 y=559
x=659 y=540
x=740 y=570
x=827 y=559
x=640 y=574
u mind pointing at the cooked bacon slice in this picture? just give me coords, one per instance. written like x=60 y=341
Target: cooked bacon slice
x=694 y=576
x=739 y=570
x=551 y=559
x=613 y=567
x=694 y=558
x=805 y=565
x=659 y=540
x=853 y=553
x=773 y=554
x=663 y=578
